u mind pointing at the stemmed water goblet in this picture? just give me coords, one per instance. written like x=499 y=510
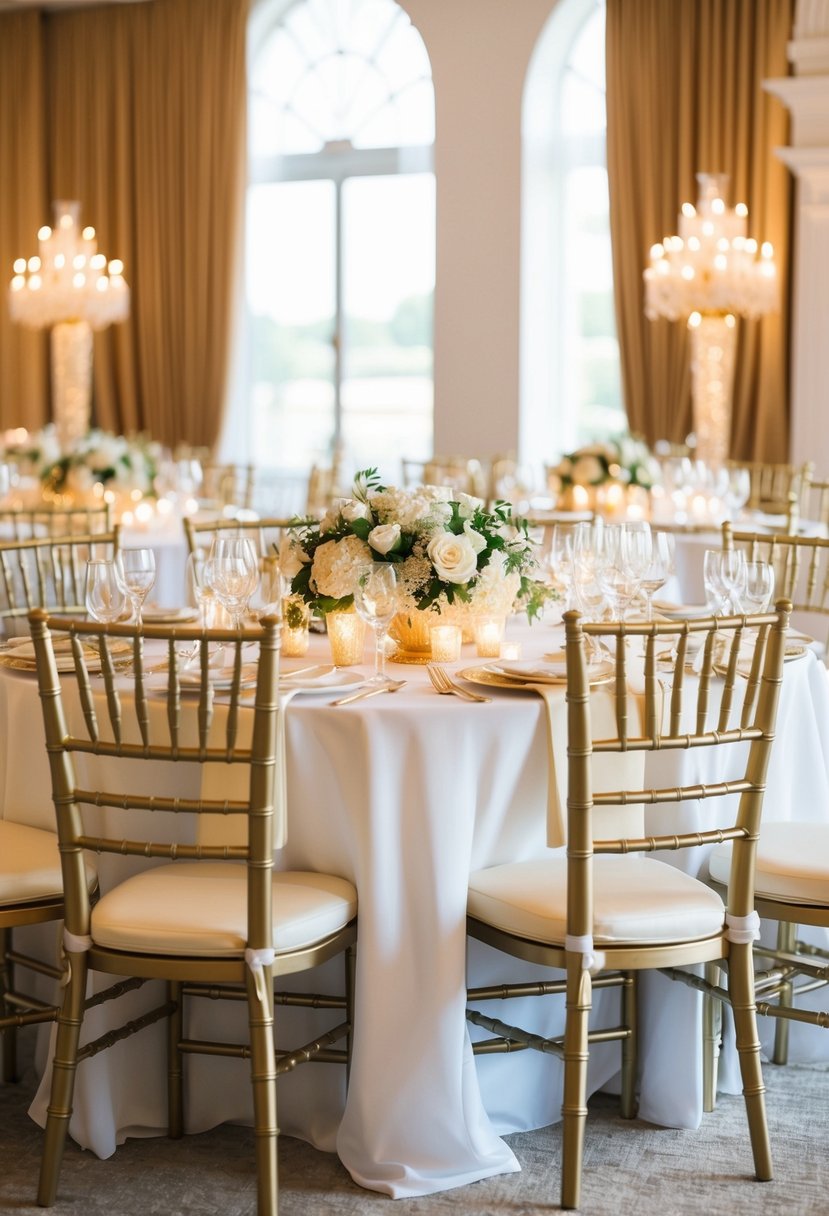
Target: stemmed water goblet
x=660 y=567
x=138 y=575
x=232 y=571
x=375 y=599
x=105 y=593
x=759 y=586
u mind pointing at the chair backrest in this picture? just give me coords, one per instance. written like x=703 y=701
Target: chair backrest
x=413 y=472
x=229 y=485
x=321 y=486
x=657 y=718
x=265 y=533
x=50 y=572
x=772 y=484
x=23 y=523
x=816 y=505
x=800 y=563
x=128 y=723
x=461 y=473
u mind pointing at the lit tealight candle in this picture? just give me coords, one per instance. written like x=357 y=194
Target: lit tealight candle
x=489 y=634
x=446 y=643
x=346 y=635
x=510 y=650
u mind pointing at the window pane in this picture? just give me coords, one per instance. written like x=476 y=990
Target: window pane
x=389 y=276
x=291 y=304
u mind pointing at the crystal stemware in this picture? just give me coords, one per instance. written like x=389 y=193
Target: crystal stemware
x=105 y=594
x=759 y=587
x=138 y=575
x=375 y=598
x=232 y=572
x=660 y=567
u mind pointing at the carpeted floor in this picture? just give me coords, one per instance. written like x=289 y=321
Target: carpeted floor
x=630 y=1168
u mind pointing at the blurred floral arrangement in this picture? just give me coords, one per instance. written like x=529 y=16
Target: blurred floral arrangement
x=115 y=461
x=447 y=549
x=627 y=459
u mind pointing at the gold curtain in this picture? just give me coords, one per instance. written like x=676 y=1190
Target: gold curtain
x=684 y=95
x=147 y=127
x=24 y=397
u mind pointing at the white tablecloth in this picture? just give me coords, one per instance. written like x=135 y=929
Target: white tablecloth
x=404 y=795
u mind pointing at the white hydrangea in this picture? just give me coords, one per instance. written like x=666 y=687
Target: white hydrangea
x=335 y=566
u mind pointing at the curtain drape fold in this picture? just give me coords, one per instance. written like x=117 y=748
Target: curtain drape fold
x=684 y=95
x=144 y=123
x=23 y=208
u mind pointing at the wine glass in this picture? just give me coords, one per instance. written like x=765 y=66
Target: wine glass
x=561 y=558
x=138 y=575
x=106 y=596
x=232 y=571
x=266 y=599
x=759 y=587
x=716 y=595
x=738 y=492
x=375 y=598
x=660 y=567
x=733 y=574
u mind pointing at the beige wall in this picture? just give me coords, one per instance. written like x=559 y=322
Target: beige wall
x=480 y=51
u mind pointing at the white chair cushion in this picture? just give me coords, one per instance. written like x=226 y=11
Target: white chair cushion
x=200 y=909
x=636 y=900
x=30 y=865
x=792 y=862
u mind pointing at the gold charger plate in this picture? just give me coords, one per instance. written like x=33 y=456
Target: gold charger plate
x=605 y=673
x=21 y=658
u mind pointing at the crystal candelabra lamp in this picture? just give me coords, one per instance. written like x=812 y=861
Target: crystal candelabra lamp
x=70 y=288
x=709 y=274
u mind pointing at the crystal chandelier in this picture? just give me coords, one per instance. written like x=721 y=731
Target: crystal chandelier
x=709 y=274
x=70 y=288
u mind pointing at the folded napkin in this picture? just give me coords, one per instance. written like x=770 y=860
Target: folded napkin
x=611 y=771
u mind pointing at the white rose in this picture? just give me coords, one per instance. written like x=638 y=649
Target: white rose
x=468 y=505
x=291 y=561
x=330 y=520
x=476 y=539
x=352 y=508
x=453 y=557
x=384 y=537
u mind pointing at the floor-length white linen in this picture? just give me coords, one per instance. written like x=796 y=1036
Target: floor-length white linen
x=404 y=795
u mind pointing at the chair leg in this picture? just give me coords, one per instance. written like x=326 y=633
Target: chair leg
x=741 y=989
x=263 y=1080
x=630 y=1018
x=64 y=1067
x=574 y=1106
x=711 y=1037
x=175 y=1077
x=787 y=944
x=350 y=978
x=7 y=985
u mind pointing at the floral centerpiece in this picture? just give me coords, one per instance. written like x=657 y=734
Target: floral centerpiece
x=626 y=460
x=449 y=552
x=120 y=463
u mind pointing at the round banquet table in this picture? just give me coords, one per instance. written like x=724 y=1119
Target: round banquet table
x=405 y=795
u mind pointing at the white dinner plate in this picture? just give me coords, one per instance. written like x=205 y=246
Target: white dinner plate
x=157 y=614
x=324 y=679
x=497 y=675
x=681 y=612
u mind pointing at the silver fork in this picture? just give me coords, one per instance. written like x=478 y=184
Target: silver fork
x=446 y=686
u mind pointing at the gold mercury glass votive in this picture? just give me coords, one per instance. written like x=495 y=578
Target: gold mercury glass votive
x=489 y=634
x=446 y=643
x=346 y=635
x=296 y=618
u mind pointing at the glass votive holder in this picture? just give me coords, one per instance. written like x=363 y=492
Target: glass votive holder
x=346 y=636
x=446 y=643
x=296 y=617
x=489 y=634
x=510 y=650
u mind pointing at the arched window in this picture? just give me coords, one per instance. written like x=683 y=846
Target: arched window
x=340 y=234
x=571 y=382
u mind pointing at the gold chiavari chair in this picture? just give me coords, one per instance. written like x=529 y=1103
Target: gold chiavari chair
x=792 y=888
x=460 y=473
x=214 y=914
x=50 y=572
x=800 y=563
x=413 y=472
x=265 y=533
x=772 y=485
x=31 y=893
x=229 y=485
x=816 y=503
x=607 y=911
x=24 y=523
x=321 y=488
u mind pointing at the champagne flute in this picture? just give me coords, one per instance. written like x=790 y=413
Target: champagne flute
x=138 y=575
x=375 y=598
x=105 y=595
